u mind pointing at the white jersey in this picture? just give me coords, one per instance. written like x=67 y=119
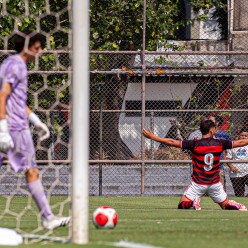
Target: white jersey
x=195 y=135
x=238 y=153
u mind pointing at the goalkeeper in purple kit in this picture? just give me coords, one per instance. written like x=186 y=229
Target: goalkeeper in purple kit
x=15 y=136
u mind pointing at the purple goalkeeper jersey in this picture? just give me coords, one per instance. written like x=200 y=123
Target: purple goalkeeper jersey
x=14 y=71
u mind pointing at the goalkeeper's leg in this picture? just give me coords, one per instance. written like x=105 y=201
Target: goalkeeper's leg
x=36 y=189
x=22 y=158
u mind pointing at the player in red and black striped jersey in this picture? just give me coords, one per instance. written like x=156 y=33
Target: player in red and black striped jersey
x=206 y=166
x=206 y=154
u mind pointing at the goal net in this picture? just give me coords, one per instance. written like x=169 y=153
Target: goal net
x=49 y=90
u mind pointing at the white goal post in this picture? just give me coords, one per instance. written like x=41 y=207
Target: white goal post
x=80 y=116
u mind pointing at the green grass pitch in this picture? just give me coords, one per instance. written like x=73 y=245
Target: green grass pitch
x=157 y=222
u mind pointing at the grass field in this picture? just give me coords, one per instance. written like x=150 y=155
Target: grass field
x=157 y=222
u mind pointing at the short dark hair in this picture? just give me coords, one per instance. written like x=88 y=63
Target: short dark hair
x=244 y=129
x=206 y=125
x=20 y=39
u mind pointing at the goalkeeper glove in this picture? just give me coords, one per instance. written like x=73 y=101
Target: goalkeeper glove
x=41 y=127
x=6 y=141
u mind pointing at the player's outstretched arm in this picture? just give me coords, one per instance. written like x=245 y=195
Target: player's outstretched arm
x=239 y=143
x=167 y=141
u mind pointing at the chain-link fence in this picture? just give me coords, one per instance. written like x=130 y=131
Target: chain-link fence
x=192 y=63
x=199 y=69
x=175 y=101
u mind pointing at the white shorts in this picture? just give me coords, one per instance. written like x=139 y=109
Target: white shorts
x=215 y=191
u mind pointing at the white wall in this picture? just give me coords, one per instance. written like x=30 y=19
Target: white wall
x=210 y=29
x=130 y=127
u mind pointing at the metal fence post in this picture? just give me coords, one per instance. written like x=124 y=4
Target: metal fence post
x=143 y=101
x=152 y=129
x=52 y=134
x=100 y=138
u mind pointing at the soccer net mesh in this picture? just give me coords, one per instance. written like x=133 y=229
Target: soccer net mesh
x=49 y=97
x=209 y=77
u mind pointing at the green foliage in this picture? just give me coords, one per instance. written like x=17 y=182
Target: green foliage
x=234 y=90
x=57 y=5
x=1 y=44
x=16 y=15
x=122 y=23
x=48 y=23
x=37 y=7
x=27 y=23
x=115 y=25
x=15 y=7
x=207 y=4
x=6 y=25
x=220 y=13
x=47 y=62
x=60 y=40
x=118 y=24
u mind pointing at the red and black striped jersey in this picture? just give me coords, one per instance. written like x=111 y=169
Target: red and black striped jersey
x=206 y=158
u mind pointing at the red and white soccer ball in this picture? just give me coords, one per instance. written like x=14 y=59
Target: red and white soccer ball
x=105 y=217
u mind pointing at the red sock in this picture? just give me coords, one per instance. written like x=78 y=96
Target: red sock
x=185 y=205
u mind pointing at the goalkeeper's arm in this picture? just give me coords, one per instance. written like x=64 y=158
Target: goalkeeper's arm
x=35 y=120
x=6 y=141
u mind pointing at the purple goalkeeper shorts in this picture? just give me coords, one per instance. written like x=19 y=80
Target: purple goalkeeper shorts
x=22 y=156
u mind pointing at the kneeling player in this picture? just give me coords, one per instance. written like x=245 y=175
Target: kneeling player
x=205 y=161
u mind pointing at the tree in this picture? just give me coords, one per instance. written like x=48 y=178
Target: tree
x=117 y=25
